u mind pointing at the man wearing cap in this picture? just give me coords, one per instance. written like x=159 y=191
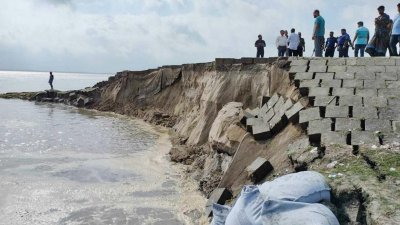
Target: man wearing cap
x=361 y=39
x=260 y=45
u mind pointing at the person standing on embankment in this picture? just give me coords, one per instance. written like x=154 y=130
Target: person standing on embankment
x=380 y=41
x=318 y=33
x=260 y=45
x=361 y=39
x=51 y=79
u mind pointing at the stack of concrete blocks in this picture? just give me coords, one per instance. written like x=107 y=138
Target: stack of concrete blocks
x=271 y=117
x=354 y=101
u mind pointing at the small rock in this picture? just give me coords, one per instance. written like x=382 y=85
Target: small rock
x=392 y=169
x=331 y=165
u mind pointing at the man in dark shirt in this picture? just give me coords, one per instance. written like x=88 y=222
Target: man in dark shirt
x=330 y=45
x=51 y=80
x=344 y=43
x=302 y=46
x=260 y=45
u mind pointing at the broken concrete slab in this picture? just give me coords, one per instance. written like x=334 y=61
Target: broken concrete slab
x=293 y=113
x=259 y=169
x=261 y=131
x=250 y=122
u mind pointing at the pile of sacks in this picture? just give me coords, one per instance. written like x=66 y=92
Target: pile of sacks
x=289 y=200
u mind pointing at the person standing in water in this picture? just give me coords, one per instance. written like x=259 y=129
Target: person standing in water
x=51 y=79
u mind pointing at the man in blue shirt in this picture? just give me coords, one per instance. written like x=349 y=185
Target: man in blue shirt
x=361 y=39
x=344 y=42
x=330 y=45
x=395 y=37
x=318 y=33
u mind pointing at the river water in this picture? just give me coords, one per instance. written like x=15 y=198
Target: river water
x=63 y=165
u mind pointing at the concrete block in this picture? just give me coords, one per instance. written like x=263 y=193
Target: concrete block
x=342 y=91
x=351 y=62
x=353 y=83
x=245 y=115
x=293 y=113
x=392 y=84
x=319 y=126
x=309 y=114
x=259 y=169
x=392 y=69
x=377 y=125
x=250 y=122
x=376 y=101
x=386 y=76
x=272 y=101
x=337 y=69
x=317 y=69
x=364 y=138
x=376 y=69
x=263 y=110
x=390 y=113
x=364 y=61
x=396 y=126
x=366 y=92
x=365 y=112
x=318 y=62
x=384 y=61
x=337 y=112
x=247 y=60
x=268 y=115
x=325 y=100
x=288 y=104
x=324 y=76
x=356 y=69
x=334 y=138
x=331 y=83
x=364 y=75
x=304 y=76
x=389 y=93
x=261 y=131
x=344 y=75
x=309 y=83
x=318 y=91
x=299 y=62
x=350 y=101
x=347 y=124
x=394 y=102
x=218 y=196
x=337 y=62
x=298 y=69
x=279 y=104
x=261 y=60
x=374 y=84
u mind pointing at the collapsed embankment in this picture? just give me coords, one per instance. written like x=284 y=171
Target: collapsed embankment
x=205 y=104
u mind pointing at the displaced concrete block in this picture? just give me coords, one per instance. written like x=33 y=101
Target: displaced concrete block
x=392 y=84
x=261 y=131
x=363 y=75
x=331 y=83
x=364 y=138
x=344 y=76
x=342 y=91
x=337 y=112
x=293 y=113
x=347 y=124
x=309 y=114
x=325 y=100
x=376 y=101
x=250 y=122
x=288 y=104
x=218 y=196
x=365 y=112
x=298 y=69
x=246 y=114
x=334 y=138
x=279 y=105
x=389 y=93
x=272 y=101
x=268 y=115
x=396 y=126
x=353 y=83
x=317 y=69
x=304 y=76
x=366 y=92
x=319 y=126
x=324 y=76
x=380 y=125
x=386 y=76
x=299 y=62
x=259 y=169
x=318 y=91
x=309 y=83
x=337 y=62
x=350 y=101
x=337 y=69
x=374 y=84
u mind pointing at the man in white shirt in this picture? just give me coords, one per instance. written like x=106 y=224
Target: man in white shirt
x=281 y=43
x=293 y=43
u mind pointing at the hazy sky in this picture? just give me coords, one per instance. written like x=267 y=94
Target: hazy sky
x=115 y=35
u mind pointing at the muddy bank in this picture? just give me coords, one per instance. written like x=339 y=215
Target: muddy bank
x=204 y=104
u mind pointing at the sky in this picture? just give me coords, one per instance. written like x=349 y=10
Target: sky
x=107 y=36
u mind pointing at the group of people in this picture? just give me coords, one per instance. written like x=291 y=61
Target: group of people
x=386 y=37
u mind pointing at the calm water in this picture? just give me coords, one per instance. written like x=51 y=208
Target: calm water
x=62 y=165
x=12 y=81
